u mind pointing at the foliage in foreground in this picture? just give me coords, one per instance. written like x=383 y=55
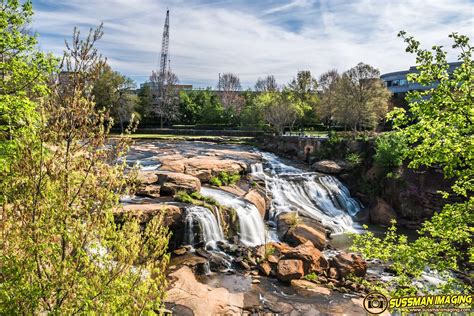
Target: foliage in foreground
x=439 y=128
x=61 y=251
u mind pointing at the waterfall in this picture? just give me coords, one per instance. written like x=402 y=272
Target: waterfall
x=321 y=197
x=200 y=221
x=251 y=227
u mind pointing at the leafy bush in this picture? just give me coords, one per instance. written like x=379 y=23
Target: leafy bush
x=354 y=159
x=390 y=150
x=225 y=178
x=184 y=197
x=311 y=277
x=216 y=181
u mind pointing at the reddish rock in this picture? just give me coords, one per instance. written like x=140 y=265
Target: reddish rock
x=265 y=268
x=145 y=212
x=349 y=263
x=312 y=258
x=305 y=287
x=333 y=274
x=301 y=233
x=172 y=182
x=289 y=269
x=151 y=190
x=329 y=166
x=205 y=168
x=382 y=213
x=254 y=197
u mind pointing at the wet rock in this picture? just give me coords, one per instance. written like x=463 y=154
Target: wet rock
x=147 y=177
x=255 y=281
x=306 y=287
x=173 y=182
x=217 y=262
x=200 y=298
x=233 y=189
x=254 y=197
x=329 y=166
x=311 y=257
x=333 y=273
x=289 y=269
x=301 y=233
x=382 y=213
x=151 y=190
x=265 y=268
x=349 y=263
x=173 y=214
x=173 y=163
x=180 y=251
x=244 y=265
x=205 y=168
x=272 y=259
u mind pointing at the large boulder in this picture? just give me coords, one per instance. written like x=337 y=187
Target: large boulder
x=172 y=163
x=348 y=263
x=254 y=197
x=312 y=258
x=329 y=166
x=301 y=233
x=172 y=182
x=173 y=214
x=205 y=167
x=289 y=269
x=202 y=299
x=382 y=213
x=304 y=287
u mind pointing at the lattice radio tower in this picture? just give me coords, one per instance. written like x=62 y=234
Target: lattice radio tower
x=164 y=59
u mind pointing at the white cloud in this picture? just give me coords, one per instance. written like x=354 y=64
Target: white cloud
x=253 y=39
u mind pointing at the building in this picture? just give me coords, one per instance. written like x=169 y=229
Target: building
x=398 y=84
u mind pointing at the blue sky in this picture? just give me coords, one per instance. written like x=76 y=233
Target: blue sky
x=254 y=38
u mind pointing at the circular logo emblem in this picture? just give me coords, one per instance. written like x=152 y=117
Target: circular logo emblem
x=375 y=303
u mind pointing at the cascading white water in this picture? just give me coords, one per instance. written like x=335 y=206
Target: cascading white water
x=210 y=230
x=251 y=227
x=320 y=197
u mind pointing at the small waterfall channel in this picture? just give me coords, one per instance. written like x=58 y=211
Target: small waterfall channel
x=202 y=226
x=251 y=226
x=313 y=195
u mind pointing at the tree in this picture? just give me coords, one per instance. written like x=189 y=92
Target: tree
x=328 y=86
x=438 y=127
x=267 y=84
x=24 y=73
x=362 y=100
x=229 y=91
x=61 y=250
x=279 y=110
x=113 y=92
x=165 y=95
x=302 y=91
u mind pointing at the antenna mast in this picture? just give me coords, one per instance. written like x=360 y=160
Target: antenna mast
x=165 y=46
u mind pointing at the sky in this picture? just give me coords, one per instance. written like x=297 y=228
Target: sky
x=254 y=38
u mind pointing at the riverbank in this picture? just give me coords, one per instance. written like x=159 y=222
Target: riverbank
x=270 y=225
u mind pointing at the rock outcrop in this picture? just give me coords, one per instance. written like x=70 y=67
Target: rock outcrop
x=200 y=298
x=173 y=182
x=382 y=213
x=312 y=258
x=348 y=263
x=296 y=230
x=254 y=197
x=289 y=269
x=329 y=166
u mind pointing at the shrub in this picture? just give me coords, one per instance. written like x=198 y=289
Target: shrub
x=184 y=197
x=225 y=178
x=354 y=159
x=390 y=150
x=215 y=181
x=311 y=277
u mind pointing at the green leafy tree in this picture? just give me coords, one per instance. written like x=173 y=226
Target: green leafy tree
x=439 y=127
x=279 y=110
x=361 y=98
x=302 y=93
x=327 y=85
x=61 y=249
x=113 y=92
x=23 y=75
